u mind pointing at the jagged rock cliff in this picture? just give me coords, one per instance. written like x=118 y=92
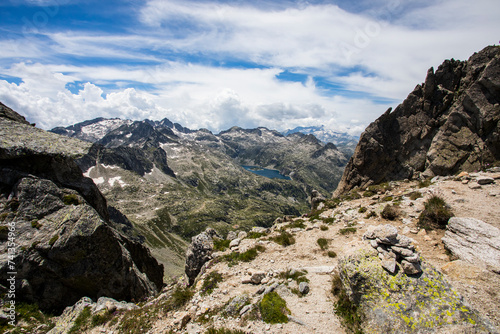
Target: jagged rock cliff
x=447 y=124
x=58 y=220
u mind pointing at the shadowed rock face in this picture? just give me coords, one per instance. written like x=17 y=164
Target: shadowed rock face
x=447 y=124
x=66 y=246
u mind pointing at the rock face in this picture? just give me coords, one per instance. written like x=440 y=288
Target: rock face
x=399 y=303
x=198 y=253
x=66 y=247
x=447 y=124
x=474 y=241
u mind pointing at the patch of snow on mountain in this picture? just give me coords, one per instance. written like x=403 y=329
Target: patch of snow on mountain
x=87 y=173
x=98 y=130
x=118 y=179
x=110 y=167
x=99 y=180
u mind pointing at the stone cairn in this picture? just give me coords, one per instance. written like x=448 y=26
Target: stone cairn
x=394 y=249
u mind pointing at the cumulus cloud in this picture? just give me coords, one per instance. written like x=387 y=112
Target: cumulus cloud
x=216 y=64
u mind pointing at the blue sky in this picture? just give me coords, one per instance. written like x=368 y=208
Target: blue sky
x=215 y=64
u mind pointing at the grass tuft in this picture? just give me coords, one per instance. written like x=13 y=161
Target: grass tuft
x=435 y=215
x=284 y=239
x=273 y=309
x=323 y=243
x=211 y=282
x=390 y=212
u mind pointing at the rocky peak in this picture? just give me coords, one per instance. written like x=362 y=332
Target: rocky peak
x=6 y=112
x=449 y=123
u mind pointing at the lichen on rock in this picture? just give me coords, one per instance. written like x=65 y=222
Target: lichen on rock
x=398 y=303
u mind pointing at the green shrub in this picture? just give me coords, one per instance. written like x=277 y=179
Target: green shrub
x=347 y=230
x=71 y=199
x=329 y=220
x=390 y=212
x=387 y=198
x=273 y=309
x=415 y=195
x=249 y=255
x=383 y=187
x=435 y=215
x=425 y=183
x=212 y=330
x=296 y=275
x=323 y=243
x=345 y=309
x=82 y=321
x=221 y=245
x=36 y=224
x=362 y=209
x=323 y=228
x=180 y=297
x=53 y=240
x=3 y=216
x=368 y=193
x=255 y=235
x=101 y=318
x=332 y=254
x=371 y=214
x=211 y=282
x=284 y=239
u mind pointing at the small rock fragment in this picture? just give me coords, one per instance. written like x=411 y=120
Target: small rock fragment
x=304 y=288
x=411 y=268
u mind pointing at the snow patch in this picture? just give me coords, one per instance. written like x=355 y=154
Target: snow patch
x=87 y=173
x=99 y=180
x=118 y=179
x=110 y=167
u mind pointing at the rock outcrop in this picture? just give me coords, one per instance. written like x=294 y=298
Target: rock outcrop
x=65 y=246
x=198 y=253
x=474 y=241
x=399 y=303
x=449 y=123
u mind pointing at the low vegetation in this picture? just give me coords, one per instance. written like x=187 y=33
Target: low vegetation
x=323 y=243
x=284 y=239
x=211 y=282
x=249 y=255
x=344 y=308
x=296 y=275
x=223 y=331
x=435 y=215
x=71 y=199
x=390 y=212
x=273 y=309
x=347 y=230
x=221 y=245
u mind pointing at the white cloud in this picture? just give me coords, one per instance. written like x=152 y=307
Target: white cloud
x=380 y=52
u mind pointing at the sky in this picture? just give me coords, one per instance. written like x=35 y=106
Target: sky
x=217 y=63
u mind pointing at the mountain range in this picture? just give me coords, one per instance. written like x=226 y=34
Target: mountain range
x=173 y=182
x=96 y=219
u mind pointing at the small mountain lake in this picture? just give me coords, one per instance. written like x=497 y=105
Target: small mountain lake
x=269 y=173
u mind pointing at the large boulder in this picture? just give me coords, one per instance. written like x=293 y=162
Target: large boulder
x=447 y=124
x=473 y=240
x=198 y=253
x=399 y=303
x=58 y=219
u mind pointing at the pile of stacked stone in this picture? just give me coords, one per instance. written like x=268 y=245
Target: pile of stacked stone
x=394 y=249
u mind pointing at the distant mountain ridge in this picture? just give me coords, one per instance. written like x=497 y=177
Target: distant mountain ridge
x=342 y=140
x=172 y=181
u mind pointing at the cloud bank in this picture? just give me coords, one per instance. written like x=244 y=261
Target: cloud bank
x=217 y=64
